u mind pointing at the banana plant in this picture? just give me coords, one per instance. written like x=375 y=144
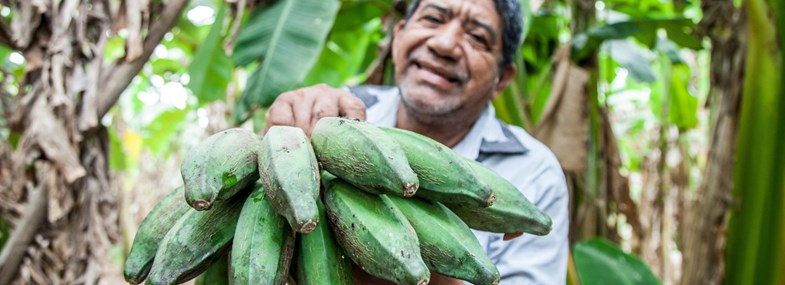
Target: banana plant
x=755 y=252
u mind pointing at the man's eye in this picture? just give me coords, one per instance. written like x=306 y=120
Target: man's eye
x=432 y=19
x=479 y=39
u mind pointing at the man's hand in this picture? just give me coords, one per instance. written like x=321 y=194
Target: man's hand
x=303 y=107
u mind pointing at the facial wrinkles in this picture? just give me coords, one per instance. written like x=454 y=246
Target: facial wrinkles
x=460 y=21
x=464 y=56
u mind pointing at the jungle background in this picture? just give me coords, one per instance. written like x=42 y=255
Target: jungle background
x=668 y=117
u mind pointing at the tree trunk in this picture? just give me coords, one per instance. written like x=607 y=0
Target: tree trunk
x=704 y=240
x=60 y=167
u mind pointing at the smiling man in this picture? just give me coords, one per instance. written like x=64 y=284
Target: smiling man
x=452 y=57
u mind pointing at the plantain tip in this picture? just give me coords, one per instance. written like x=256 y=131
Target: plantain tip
x=491 y=200
x=409 y=189
x=307 y=227
x=509 y=236
x=423 y=281
x=202 y=205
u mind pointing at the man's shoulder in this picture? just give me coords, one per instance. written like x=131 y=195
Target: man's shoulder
x=532 y=171
x=371 y=94
x=533 y=152
x=537 y=150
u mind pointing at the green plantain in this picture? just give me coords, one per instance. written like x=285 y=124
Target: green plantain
x=374 y=234
x=511 y=213
x=447 y=244
x=195 y=242
x=363 y=155
x=263 y=244
x=443 y=174
x=219 y=167
x=290 y=175
x=319 y=258
x=150 y=233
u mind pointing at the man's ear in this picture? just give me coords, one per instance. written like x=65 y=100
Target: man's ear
x=506 y=76
x=398 y=27
x=396 y=31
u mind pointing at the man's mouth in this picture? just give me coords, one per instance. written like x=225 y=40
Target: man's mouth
x=444 y=73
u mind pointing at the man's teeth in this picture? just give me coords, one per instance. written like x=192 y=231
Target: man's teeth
x=450 y=79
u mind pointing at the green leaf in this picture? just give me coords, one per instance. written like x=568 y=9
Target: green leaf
x=756 y=229
x=116 y=153
x=343 y=56
x=526 y=13
x=607 y=67
x=161 y=130
x=355 y=14
x=632 y=57
x=211 y=68
x=14 y=138
x=163 y=65
x=682 y=105
x=615 y=31
x=288 y=38
x=680 y=30
x=508 y=106
x=600 y=262
x=5 y=232
x=670 y=50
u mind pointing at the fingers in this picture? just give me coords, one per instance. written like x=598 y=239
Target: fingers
x=302 y=111
x=351 y=107
x=302 y=108
x=279 y=114
x=321 y=109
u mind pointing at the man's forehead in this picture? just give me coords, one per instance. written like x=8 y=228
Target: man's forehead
x=480 y=10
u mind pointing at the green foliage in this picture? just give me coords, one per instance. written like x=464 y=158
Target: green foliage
x=355 y=14
x=671 y=99
x=342 y=61
x=534 y=62
x=508 y=106
x=117 y=159
x=600 y=262
x=679 y=30
x=211 y=69
x=757 y=223
x=5 y=232
x=288 y=38
x=162 y=129
x=634 y=58
x=683 y=106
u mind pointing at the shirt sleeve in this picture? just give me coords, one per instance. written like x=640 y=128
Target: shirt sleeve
x=531 y=259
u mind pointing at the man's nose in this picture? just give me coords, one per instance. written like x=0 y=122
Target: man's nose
x=445 y=43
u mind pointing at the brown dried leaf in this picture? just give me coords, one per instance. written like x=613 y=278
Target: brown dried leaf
x=133 y=44
x=27 y=18
x=49 y=134
x=238 y=9
x=60 y=203
x=564 y=125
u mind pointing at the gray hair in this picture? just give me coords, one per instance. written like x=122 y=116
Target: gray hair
x=510 y=13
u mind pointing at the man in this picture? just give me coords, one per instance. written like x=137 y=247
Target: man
x=452 y=57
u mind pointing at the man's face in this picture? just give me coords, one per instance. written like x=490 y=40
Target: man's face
x=447 y=57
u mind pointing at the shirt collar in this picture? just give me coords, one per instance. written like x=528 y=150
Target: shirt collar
x=489 y=136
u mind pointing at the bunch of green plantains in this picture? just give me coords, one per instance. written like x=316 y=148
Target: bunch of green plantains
x=285 y=209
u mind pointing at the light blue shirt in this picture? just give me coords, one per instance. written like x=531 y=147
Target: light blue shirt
x=524 y=161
